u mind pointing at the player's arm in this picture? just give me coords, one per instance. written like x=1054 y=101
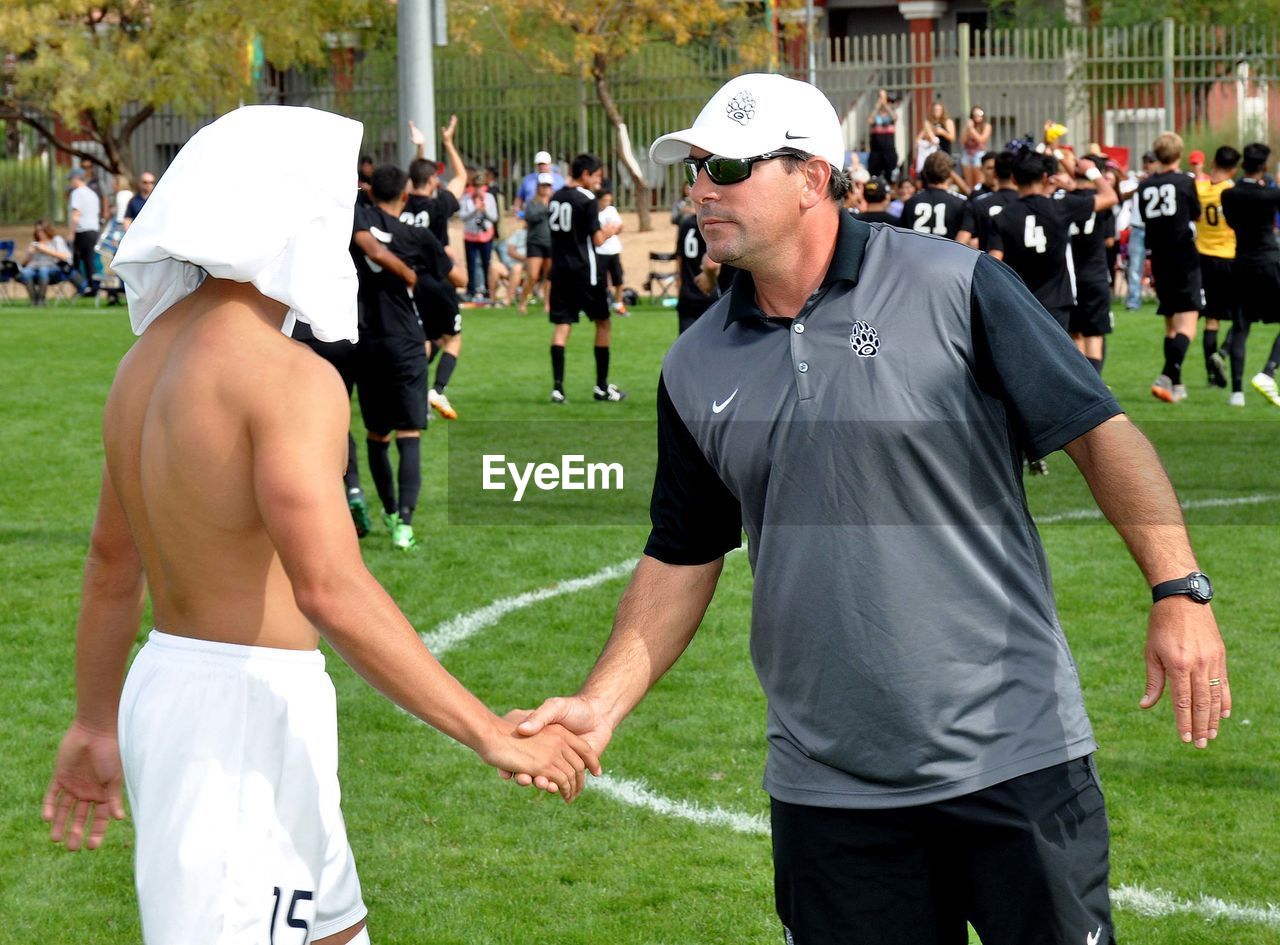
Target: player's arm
x=419 y=141
x=87 y=776
x=295 y=459
x=1184 y=646
x=384 y=257
x=457 y=269
x=1105 y=197
x=458 y=182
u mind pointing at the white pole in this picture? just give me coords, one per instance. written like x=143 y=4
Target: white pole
x=415 y=73
x=808 y=28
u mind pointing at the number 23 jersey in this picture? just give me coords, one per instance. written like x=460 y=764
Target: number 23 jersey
x=1169 y=207
x=1033 y=234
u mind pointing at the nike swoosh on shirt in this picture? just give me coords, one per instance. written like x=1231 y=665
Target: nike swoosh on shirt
x=1093 y=939
x=717 y=407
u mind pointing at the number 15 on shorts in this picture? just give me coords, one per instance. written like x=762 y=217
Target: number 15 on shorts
x=292 y=919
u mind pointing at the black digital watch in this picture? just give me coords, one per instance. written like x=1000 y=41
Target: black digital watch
x=1195 y=585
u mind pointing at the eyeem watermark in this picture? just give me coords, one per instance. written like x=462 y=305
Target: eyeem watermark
x=573 y=473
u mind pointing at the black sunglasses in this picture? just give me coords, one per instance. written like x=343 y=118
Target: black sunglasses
x=725 y=170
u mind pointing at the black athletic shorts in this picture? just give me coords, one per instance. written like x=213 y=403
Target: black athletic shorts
x=437 y=305
x=1091 y=315
x=1218 y=281
x=570 y=296
x=1024 y=861
x=1062 y=316
x=341 y=354
x=1177 y=285
x=392 y=384
x=611 y=264
x=1258 y=288
x=534 y=251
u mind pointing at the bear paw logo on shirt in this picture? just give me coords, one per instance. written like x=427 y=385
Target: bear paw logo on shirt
x=741 y=108
x=864 y=340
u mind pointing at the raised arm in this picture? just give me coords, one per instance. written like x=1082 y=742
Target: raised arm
x=87 y=776
x=1184 y=646
x=295 y=460
x=458 y=182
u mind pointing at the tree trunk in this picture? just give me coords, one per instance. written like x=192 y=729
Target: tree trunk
x=642 y=188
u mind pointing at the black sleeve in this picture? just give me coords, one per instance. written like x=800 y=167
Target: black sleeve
x=448 y=203
x=1194 y=197
x=1023 y=357
x=968 y=222
x=695 y=517
x=1079 y=207
x=995 y=233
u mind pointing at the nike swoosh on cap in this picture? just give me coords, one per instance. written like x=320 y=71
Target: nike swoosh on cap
x=790 y=137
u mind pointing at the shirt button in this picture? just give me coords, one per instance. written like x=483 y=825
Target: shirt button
x=803 y=367
x=799 y=328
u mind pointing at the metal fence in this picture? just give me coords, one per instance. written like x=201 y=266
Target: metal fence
x=27 y=190
x=1116 y=86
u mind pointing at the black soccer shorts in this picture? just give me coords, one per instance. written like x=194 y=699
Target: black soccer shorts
x=571 y=296
x=1177 y=285
x=392 y=384
x=1091 y=315
x=1218 y=281
x=1024 y=861
x=1258 y=286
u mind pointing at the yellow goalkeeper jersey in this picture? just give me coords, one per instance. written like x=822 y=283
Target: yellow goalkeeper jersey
x=1213 y=236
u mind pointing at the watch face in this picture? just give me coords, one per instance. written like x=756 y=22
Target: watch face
x=1201 y=589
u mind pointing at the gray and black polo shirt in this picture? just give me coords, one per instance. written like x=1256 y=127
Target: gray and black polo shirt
x=903 y=621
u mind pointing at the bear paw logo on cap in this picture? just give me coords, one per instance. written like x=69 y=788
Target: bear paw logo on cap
x=864 y=340
x=741 y=108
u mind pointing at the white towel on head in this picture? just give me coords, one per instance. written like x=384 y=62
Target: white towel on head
x=265 y=195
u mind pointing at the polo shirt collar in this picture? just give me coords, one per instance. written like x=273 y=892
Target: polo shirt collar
x=846 y=263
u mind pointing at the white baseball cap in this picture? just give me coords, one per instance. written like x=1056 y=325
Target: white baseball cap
x=542 y=157
x=757 y=113
x=546 y=178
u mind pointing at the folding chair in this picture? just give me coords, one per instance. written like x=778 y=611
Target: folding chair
x=11 y=290
x=64 y=286
x=664 y=270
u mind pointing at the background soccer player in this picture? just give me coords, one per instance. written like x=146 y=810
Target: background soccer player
x=1216 y=244
x=935 y=209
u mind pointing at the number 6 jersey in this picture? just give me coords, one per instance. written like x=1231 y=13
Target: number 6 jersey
x=1033 y=234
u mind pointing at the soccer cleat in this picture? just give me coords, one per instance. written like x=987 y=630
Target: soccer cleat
x=391 y=520
x=1162 y=389
x=1236 y=399
x=359 y=512
x=609 y=393
x=1217 y=369
x=1038 y=467
x=440 y=404
x=1265 y=385
x=402 y=536
x=1179 y=393
x=620 y=308
x=558 y=397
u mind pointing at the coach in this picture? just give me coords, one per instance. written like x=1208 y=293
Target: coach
x=858 y=401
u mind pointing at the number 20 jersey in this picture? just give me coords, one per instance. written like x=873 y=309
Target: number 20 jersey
x=1033 y=233
x=574 y=217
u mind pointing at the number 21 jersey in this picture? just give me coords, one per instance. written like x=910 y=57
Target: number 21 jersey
x=934 y=211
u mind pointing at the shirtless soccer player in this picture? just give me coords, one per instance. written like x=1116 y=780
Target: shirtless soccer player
x=224 y=442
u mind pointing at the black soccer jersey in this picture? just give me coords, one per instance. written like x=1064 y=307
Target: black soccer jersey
x=879 y=216
x=431 y=212
x=386 y=307
x=1169 y=207
x=690 y=248
x=1089 y=246
x=1250 y=208
x=934 y=211
x=979 y=212
x=1033 y=234
x=574 y=218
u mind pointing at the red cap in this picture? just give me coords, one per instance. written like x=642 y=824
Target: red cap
x=1196 y=157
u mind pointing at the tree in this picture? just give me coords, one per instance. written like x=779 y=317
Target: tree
x=594 y=36
x=98 y=69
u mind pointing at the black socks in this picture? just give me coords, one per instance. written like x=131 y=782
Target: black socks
x=444 y=371
x=1175 y=351
x=557 y=367
x=602 y=366
x=380 y=469
x=409 y=475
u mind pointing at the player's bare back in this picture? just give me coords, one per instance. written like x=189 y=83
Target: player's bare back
x=180 y=453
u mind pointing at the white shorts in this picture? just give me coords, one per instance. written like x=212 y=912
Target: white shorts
x=231 y=760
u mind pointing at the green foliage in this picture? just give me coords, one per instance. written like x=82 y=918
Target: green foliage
x=84 y=63
x=25 y=189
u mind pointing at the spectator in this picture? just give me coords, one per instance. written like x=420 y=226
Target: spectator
x=883 y=158
x=537 y=221
x=974 y=144
x=479 y=212
x=906 y=190
x=506 y=272
x=529 y=185
x=610 y=251
x=936 y=134
x=47 y=253
x=90 y=169
x=84 y=210
x=146 y=183
x=683 y=206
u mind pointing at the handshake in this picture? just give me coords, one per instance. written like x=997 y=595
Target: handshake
x=552 y=747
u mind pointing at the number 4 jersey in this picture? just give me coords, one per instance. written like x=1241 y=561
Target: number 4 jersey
x=1033 y=234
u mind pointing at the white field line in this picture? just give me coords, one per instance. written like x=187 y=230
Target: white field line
x=1092 y=514
x=1156 y=903
x=1147 y=902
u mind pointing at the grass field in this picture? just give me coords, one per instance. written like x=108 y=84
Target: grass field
x=450 y=854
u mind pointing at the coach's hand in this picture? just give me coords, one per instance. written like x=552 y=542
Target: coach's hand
x=555 y=759
x=576 y=714
x=87 y=778
x=1184 y=646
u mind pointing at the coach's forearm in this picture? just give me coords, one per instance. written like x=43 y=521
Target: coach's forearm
x=657 y=616
x=1134 y=493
